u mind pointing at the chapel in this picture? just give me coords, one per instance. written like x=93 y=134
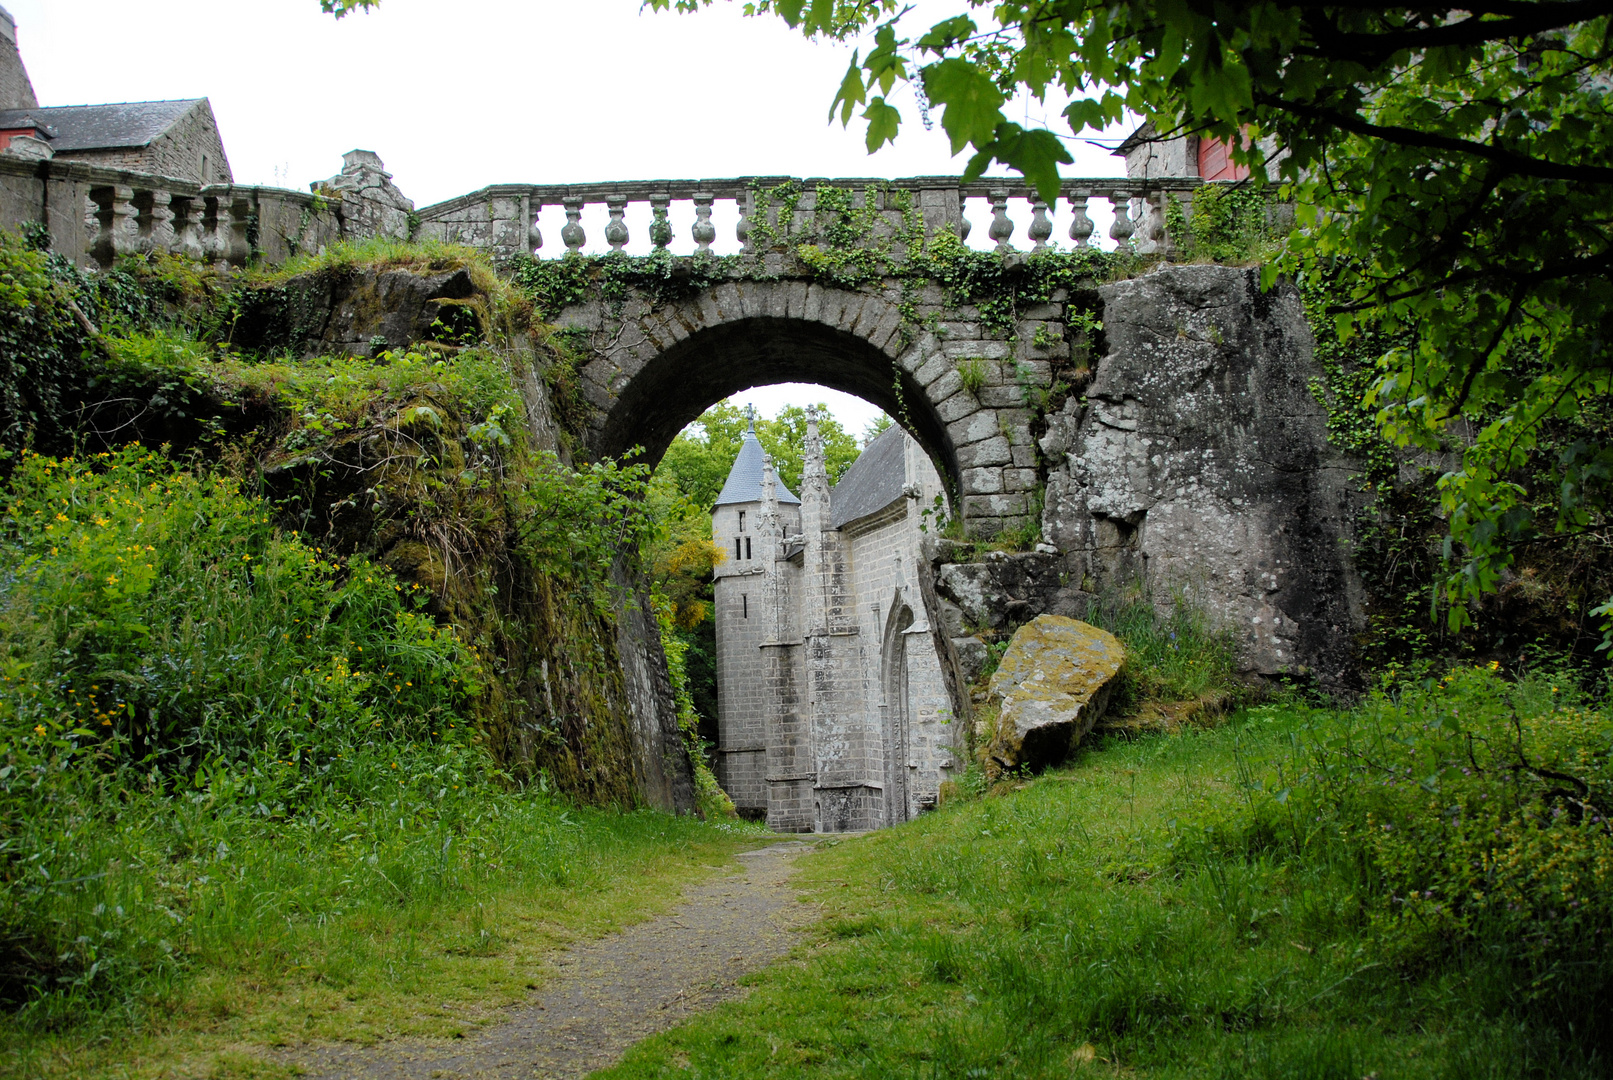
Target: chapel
x=833 y=707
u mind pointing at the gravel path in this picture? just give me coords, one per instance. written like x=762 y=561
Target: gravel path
x=610 y=993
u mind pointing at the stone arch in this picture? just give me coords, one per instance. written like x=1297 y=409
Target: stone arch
x=655 y=368
x=895 y=709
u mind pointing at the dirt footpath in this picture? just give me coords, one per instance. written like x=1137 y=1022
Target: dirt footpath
x=608 y=994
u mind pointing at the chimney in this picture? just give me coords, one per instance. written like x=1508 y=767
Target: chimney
x=16 y=92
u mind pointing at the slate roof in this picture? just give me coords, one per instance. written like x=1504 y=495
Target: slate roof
x=101 y=127
x=874 y=481
x=744 y=483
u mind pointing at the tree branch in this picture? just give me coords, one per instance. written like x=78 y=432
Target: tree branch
x=1404 y=136
x=1374 y=49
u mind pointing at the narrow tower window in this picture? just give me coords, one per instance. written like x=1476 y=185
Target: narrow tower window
x=742 y=521
x=744 y=605
x=737 y=542
x=747 y=547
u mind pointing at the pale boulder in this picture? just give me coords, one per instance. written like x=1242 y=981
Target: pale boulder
x=1052 y=685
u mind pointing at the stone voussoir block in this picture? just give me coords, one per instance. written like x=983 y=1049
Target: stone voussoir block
x=883 y=332
x=730 y=303
x=956 y=407
x=976 y=427
x=932 y=369
x=795 y=298
x=812 y=306
x=945 y=387
x=916 y=354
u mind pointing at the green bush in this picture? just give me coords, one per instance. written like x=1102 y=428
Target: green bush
x=1472 y=816
x=163 y=644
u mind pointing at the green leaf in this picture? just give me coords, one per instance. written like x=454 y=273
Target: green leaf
x=790 y=11
x=1036 y=154
x=883 y=122
x=971 y=101
x=1085 y=113
x=852 y=93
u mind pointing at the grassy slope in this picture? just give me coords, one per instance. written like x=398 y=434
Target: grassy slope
x=1047 y=931
x=413 y=942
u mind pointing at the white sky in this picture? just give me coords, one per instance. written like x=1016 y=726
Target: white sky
x=454 y=96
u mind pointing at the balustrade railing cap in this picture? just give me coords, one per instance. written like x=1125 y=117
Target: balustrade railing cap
x=735 y=186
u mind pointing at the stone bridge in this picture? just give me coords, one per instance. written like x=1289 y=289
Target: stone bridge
x=1159 y=420
x=826 y=289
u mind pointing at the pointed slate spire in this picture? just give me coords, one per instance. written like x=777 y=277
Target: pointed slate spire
x=744 y=484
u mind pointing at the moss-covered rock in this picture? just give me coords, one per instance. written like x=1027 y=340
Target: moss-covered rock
x=1053 y=683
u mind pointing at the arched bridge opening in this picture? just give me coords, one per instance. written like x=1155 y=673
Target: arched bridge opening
x=653 y=367
x=677 y=385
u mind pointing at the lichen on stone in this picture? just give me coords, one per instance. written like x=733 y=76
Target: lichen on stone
x=1053 y=684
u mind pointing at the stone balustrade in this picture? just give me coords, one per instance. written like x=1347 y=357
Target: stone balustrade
x=504 y=218
x=95 y=215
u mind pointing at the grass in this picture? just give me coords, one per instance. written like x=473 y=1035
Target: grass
x=1145 y=911
x=301 y=933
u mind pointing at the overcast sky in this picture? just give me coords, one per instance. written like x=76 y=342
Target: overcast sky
x=456 y=95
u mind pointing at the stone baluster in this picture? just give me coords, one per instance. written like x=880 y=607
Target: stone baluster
x=534 y=235
x=704 y=232
x=157 y=230
x=616 y=228
x=1001 y=228
x=572 y=233
x=188 y=219
x=1154 y=231
x=1123 y=227
x=124 y=225
x=214 y=239
x=1081 y=228
x=660 y=227
x=746 y=201
x=963 y=222
x=239 y=220
x=1041 y=225
x=114 y=217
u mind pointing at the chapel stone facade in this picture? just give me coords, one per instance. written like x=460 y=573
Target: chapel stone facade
x=833 y=708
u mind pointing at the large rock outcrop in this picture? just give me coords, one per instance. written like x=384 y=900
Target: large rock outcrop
x=1051 y=686
x=1197 y=463
x=1200 y=456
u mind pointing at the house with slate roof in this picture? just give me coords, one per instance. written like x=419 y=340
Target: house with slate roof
x=833 y=711
x=177 y=139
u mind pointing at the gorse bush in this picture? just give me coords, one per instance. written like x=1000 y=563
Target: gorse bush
x=159 y=616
